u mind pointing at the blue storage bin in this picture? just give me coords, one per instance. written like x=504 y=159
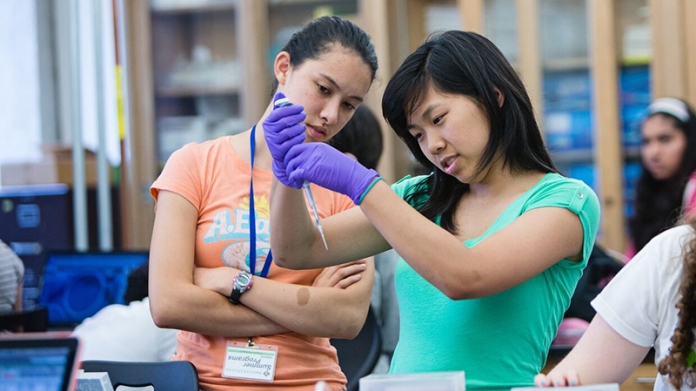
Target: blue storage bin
x=632 y=117
x=568 y=130
x=567 y=90
x=635 y=86
x=631 y=174
x=585 y=173
x=77 y=285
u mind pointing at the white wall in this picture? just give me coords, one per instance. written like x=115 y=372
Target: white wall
x=20 y=113
x=35 y=83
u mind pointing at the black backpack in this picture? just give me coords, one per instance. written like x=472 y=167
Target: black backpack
x=601 y=267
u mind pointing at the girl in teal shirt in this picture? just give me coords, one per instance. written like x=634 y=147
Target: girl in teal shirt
x=492 y=242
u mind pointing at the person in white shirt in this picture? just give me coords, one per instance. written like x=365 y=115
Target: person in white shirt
x=127 y=332
x=650 y=303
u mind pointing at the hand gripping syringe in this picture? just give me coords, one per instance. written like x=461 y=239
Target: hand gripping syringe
x=305 y=186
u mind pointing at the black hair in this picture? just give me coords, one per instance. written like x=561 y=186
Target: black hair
x=137 y=284
x=361 y=137
x=318 y=37
x=658 y=203
x=465 y=63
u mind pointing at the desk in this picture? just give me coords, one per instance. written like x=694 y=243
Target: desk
x=642 y=379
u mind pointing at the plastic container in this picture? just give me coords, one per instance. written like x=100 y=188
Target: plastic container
x=431 y=381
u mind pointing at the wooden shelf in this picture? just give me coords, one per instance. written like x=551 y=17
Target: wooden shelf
x=274 y=3
x=575 y=155
x=566 y=64
x=587 y=155
x=207 y=7
x=183 y=92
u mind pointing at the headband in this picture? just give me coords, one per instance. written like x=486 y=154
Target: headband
x=671 y=106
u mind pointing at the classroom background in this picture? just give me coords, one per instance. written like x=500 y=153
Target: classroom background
x=95 y=96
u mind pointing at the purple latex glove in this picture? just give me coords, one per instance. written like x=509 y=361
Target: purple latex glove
x=282 y=129
x=329 y=168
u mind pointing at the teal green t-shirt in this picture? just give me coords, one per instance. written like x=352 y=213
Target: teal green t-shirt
x=500 y=341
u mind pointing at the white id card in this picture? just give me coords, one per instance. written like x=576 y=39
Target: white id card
x=250 y=361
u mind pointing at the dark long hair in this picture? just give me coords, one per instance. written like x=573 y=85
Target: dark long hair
x=459 y=62
x=675 y=364
x=318 y=36
x=658 y=204
x=361 y=137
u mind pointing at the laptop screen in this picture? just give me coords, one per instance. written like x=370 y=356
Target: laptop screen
x=77 y=285
x=37 y=362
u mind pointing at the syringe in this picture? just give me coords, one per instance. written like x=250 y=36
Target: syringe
x=305 y=186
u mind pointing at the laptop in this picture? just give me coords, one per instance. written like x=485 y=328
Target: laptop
x=38 y=361
x=76 y=285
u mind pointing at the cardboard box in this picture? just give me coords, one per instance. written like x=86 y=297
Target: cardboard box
x=20 y=174
x=431 y=381
x=55 y=167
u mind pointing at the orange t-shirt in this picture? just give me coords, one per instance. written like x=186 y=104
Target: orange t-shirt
x=215 y=179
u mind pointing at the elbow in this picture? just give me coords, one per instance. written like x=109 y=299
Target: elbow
x=281 y=261
x=350 y=326
x=464 y=287
x=460 y=291
x=455 y=294
x=285 y=262
x=163 y=315
x=348 y=331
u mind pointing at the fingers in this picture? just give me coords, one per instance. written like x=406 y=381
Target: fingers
x=348 y=281
x=296 y=138
x=348 y=275
x=341 y=276
x=288 y=115
x=541 y=380
x=569 y=378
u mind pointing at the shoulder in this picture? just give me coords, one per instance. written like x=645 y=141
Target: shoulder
x=407 y=185
x=199 y=151
x=555 y=190
x=668 y=244
x=9 y=257
x=189 y=168
x=662 y=257
x=553 y=183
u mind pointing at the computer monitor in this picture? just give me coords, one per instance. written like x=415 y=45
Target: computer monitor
x=38 y=361
x=78 y=284
x=34 y=220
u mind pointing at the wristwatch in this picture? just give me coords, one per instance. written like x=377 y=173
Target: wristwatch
x=242 y=283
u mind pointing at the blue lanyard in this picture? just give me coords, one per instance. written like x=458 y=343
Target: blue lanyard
x=252 y=216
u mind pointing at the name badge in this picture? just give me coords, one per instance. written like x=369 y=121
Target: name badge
x=250 y=361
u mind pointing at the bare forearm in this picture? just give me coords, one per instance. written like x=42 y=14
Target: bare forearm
x=388 y=213
x=309 y=310
x=292 y=230
x=321 y=312
x=601 y=356
x=195 y=309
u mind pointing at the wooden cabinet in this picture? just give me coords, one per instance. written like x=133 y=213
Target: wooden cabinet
x=199 y=69
x=200 y=64
x=602 y=40
x=642 y=379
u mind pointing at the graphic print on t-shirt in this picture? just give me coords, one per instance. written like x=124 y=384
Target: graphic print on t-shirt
x=233 y=226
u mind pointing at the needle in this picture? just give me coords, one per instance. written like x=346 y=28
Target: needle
x=305 y=186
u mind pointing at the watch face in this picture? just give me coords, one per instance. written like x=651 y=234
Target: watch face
x=243 y=279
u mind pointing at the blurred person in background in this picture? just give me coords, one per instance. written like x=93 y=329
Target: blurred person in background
x=11 y=277
x=666 y=189
x=127 y=332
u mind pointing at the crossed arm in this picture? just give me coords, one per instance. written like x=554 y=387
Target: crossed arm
x=182 y=299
